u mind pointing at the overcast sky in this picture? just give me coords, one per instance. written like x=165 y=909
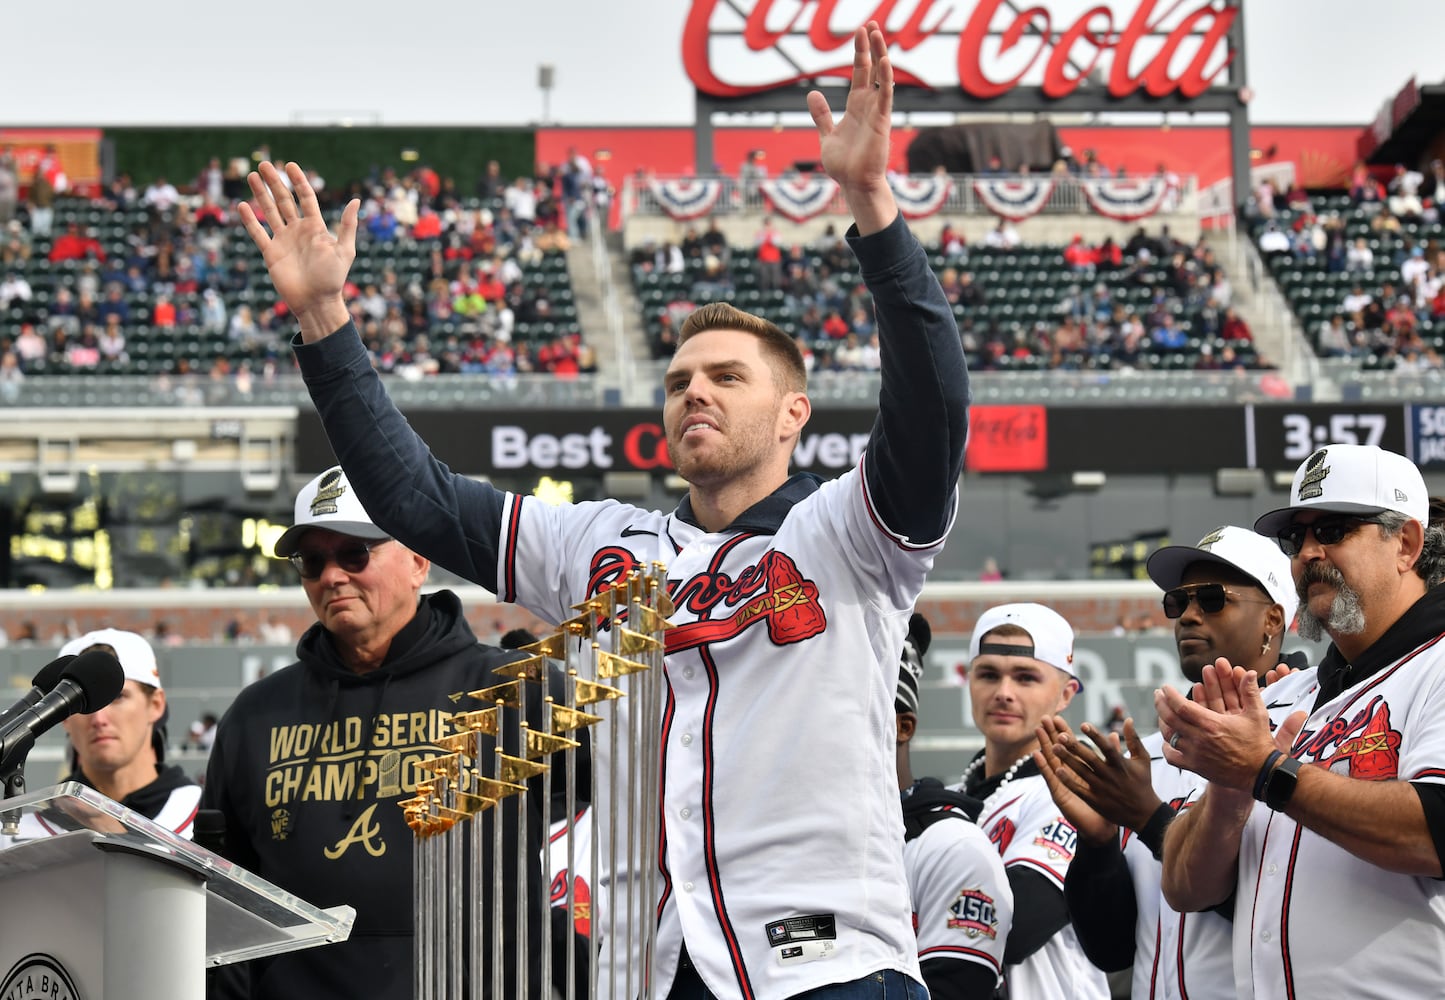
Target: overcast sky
x=617 y=63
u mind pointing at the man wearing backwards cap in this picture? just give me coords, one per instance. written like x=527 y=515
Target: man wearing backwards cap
x=1328 y=834
x=1230 y=595
x=1020 y=670
x=310 y=762
x=962 y=903
x=120 y=749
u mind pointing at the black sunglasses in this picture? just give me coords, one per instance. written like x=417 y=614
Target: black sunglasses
x=352 y=558
x=1329 y=531
x=1212 y=598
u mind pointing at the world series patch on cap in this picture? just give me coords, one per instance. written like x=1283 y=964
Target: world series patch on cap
x=1253 y=554
x=329 y=502
x=1352 y=479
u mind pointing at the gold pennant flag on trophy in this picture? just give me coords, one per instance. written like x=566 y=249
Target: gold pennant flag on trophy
x=554 y=646
x=650 y=621
x=517 y=769
x=631 y=643
x=566 y=719
x=533 y=668
x=509 y=694
x=590 y=692
x=611 y=665
x=483 y=720
x=539 y=744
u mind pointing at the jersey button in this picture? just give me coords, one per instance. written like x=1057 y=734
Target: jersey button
x=687 y=739
x=1266 y=936
x=688 y=672
x=685 y=812
x=687 y=887
x=1271 y=869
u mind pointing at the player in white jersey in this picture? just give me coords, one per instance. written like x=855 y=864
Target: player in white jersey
x=1230 y=595
x=1329 y=832
x=1020 y=665
x=792 y=596
x=120 y=749
x=962 y=903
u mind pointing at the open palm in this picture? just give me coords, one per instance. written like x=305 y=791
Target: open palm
x=307 y=264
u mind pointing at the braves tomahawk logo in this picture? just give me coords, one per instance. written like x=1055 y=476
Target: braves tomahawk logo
x=1001 y=834
x=1365 y=743
x=772 y=591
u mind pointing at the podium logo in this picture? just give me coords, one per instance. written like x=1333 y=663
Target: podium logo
x=38 y=977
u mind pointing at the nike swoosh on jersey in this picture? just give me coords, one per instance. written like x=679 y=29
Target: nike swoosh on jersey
x=630 y=531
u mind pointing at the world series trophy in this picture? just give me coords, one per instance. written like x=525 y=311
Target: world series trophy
x=611 y=654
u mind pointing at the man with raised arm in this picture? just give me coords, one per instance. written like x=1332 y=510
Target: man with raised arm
x=792 y=595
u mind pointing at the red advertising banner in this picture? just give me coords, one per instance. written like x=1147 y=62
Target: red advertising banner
x=1007 y=439
x=987 y=48
x=78 y=150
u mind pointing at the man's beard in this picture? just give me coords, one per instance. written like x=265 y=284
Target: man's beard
x=1346 y=615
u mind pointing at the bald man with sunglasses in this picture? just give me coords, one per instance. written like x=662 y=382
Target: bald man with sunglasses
x=1230 y=595
x=310 y=762
x=1328 y=833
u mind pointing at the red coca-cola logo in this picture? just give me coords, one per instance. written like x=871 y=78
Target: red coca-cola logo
x=1007 y=439
x=1182 y=54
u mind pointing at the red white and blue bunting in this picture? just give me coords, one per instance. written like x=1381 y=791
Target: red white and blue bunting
x=1127 y=198
x=800 y=198
x=687 y=197
x=1014 y=199
x=920 y=197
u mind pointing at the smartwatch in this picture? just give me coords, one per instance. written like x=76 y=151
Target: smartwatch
x=1280 y=784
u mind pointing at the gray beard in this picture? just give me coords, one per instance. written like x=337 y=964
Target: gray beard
x=1346 y=616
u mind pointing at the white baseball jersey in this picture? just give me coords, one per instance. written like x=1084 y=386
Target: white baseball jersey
x=1023 y=823
x=779 y=711
x=580 y=872
x=178 y=815
x=1186 y=956
x=962 y=904
x=1313 y=920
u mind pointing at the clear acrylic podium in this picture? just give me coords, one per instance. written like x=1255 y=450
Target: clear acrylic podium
x=123 y=909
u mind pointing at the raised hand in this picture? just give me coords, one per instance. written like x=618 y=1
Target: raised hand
x=1093 y=827
x=854 y=151
x=1225 y=737
x=307 y=264
x=1119 y=787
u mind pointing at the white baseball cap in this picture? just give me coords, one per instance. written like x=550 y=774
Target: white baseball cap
x=1053 y=637
x=1352 y=479
x=137 y=659
x=1252 y=554
x=329 y=502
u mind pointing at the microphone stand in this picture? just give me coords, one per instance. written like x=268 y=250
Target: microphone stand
x=12 y=785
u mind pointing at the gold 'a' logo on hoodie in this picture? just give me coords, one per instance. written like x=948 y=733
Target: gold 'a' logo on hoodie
x=328 y=491
x=363 y=832
x=1316 y=470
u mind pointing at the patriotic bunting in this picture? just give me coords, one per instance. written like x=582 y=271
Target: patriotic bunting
x=800 y=198
x=686 y=198
x=920 y=197
x=1014 y=199
x=1126 y=199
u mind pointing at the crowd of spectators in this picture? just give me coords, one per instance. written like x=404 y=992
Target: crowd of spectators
x=1150 y=302
x=1380 y=250
x=444 y=282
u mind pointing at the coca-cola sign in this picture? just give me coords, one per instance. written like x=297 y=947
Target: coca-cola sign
x=732 y=48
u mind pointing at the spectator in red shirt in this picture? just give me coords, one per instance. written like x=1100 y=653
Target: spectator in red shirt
x=164 y=314
x=489 y=286
x=75 y=245
x=428 y=226
x=1080 y=257
x=1234 y=328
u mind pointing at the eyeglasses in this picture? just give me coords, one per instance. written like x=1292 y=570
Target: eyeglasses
x=1328 y=531
x=352 y=558
x=1212 y=598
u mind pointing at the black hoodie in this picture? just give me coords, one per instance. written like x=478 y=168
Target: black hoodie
x=307 y=769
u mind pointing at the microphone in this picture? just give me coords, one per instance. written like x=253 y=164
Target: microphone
x=44 y=681
x=89 y=683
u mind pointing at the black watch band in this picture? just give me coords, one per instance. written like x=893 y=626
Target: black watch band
x=1280 y=785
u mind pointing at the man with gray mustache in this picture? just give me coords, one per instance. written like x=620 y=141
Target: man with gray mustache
x=1330 y=833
